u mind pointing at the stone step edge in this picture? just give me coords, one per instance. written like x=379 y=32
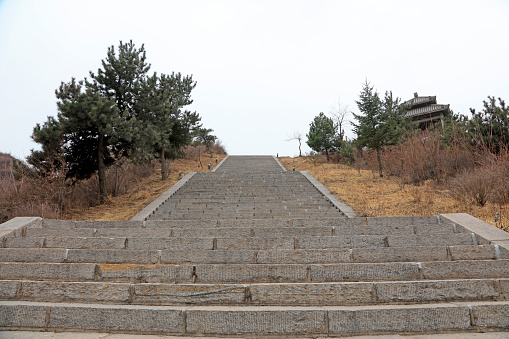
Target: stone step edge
x=231 y=320
x=265 y=294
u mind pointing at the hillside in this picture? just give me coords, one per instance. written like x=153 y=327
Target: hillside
x=5 y=165
x=370 y=195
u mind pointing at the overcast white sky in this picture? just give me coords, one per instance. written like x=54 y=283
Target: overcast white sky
x=264 y=69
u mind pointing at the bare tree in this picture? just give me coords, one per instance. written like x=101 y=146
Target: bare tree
x=339 y=113
x=297 y=136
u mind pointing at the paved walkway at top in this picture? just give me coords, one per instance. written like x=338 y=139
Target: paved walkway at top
x=250 y=163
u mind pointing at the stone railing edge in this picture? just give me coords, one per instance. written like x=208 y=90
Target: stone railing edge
x=279 y=163
x=150 y=208
x=14 y=224
x=344 y=208
x=485 y=233
x=220 y=163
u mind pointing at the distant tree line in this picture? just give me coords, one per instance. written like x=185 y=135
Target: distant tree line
x=121 y=112
x=381 y=123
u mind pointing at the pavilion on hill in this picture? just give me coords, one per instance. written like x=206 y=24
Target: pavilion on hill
x=424 y=110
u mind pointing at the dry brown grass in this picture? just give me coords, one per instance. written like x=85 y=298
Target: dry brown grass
x=126 y=206
x=370 y=195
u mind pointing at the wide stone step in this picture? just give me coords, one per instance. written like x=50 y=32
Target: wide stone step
x=281 y=294
x=250 y=320
x=239 y=242
x=292 y=256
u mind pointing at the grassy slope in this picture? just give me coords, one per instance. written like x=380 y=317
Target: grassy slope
x=127 y=206
x=370 y=195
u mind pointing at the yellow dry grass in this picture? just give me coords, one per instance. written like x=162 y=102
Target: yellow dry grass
x=126 y=206
x=370 y=195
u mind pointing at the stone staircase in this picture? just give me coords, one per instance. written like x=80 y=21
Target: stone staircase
x=253 y=250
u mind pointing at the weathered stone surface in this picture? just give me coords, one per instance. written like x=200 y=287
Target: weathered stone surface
x=108 y=224
x=312 y=294
x=418 y=291
x=482 y=252
x=47 y=271
x=364 y=272
x=311 y=256
x=394 y=221
x=54 y=223
x=293 y=232
x=504 y=285
x=466 y=269
x=240 y=320
x=22 y=315
x=165 y=224
x=189 y=294
x=60 y=232
x=147 y=273
x=171 y=243
x=57 y=291
x=113 y=256
x=337 y=221
x=255 y=243
x=219 y=232
x=84 y=243
x=32 y=255
x=434 y=228
x=207 y=257
x=17 y=242
x=398 y=318
x=251 y=273
x=128 y=317
x=430 y=240
x=342 y=241
x=374 y=230
x=8 y=288
x=133 y=232
x=392 y=254
x=491 y=315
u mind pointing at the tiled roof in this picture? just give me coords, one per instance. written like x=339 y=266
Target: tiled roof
x=426 y=110
x=420 y=101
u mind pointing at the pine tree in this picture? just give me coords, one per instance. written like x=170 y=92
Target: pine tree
x=323 y=135
x=381 y=122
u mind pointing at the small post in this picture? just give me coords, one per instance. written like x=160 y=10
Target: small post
x=277 y=155
x=209 y=165
x=216 y=160
x=293 y=168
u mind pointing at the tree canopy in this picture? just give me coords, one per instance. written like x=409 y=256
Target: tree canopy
x=323 y=135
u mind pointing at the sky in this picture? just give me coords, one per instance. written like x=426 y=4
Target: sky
x=264 y=69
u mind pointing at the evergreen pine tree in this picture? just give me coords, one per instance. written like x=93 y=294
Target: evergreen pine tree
x=323 y=135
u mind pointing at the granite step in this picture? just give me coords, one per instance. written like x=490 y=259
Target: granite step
x=256 y=320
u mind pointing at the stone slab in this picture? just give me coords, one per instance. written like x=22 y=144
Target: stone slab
x=364 y=272
x=60 y=271
x=312 y=294
x=393 y=254
x=354 y=241
x=220 y=232
x=109 y=224
x=146 y=273
x=430 y=240
x=116 y=318
x=160 y=294
x=20 y=315
x=32 y=255
x=246 y=320
x=311 y=256
x=402 y=221
x=374 y=230
x=444 y=290
x=133 y=232
x=251 y=273
x=112 y=256
x=58 y=291
x=23 y=242
x=171 y=243
x=52 y=232
x=466 y=269
x=255 y=243
x=491 y=315
x=8 y=289
x=481 y=252
x=292 y=231
x=408 y=318
x=54 y=223
x=207 y=257
x=84 y=243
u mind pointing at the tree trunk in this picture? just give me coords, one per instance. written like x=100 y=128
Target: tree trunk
x=103 y=190
x=300 y=153
x=327 y=154
x=379 y=158
x=164 y=173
